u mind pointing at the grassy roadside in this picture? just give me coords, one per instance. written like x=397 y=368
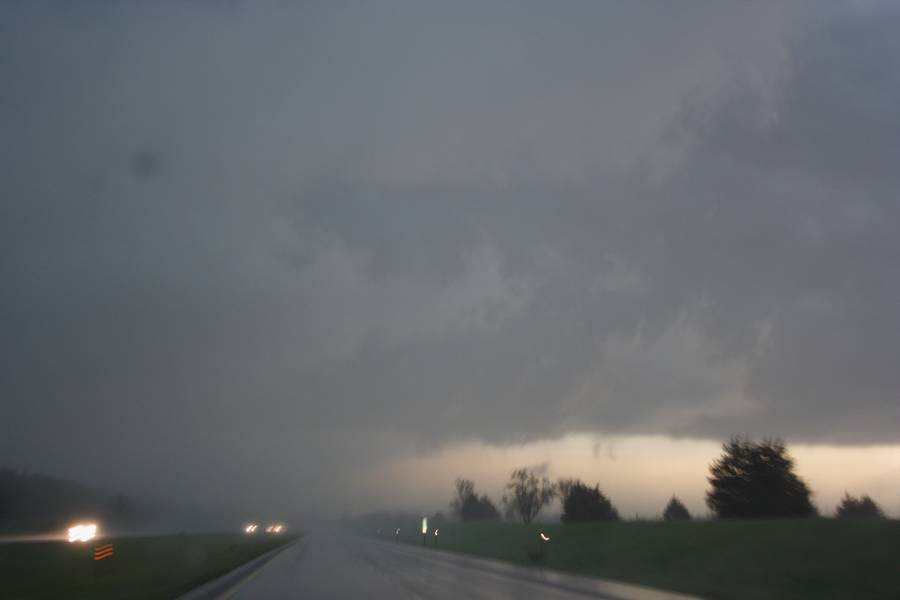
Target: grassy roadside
x=772 y=560
x=142 y=568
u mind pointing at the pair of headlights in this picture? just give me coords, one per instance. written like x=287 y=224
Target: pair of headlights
x=82 y=532
x=276 y=528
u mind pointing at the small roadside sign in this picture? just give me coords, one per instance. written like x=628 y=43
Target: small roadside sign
x=103 y=552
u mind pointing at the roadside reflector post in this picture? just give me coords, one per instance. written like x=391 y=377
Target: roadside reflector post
x=424 y=530
x=545 y=540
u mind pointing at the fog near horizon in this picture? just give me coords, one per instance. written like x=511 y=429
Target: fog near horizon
x=309 y=255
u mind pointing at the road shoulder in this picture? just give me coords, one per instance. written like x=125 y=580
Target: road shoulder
x=223 y=586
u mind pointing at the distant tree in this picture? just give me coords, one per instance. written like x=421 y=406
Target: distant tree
x=479 y=509
x=757 y=479
x=564 y=485
x=583 y=503
x=468 y=506
x=676 y=511
x=527 y=495
x=464 y=489
x=859 y=508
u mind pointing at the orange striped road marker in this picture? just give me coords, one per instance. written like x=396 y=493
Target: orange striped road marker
x=101 y=552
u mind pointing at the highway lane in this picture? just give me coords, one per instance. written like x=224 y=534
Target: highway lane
x=333 y=564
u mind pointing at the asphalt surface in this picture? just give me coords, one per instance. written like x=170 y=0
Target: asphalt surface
x=333 y=564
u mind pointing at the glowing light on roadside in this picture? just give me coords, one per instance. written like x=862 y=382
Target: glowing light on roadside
x=545 y=537
x=82 y=532
x=278 y=528
x=251 y=528
x=436 y=531
x=424 y=525
x=397 y=532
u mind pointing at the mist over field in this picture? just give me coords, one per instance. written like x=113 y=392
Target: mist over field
x=315 y=257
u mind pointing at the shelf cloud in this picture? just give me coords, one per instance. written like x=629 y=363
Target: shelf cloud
x=249 y=239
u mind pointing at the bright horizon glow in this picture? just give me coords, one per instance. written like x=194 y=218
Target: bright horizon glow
x=639 y=473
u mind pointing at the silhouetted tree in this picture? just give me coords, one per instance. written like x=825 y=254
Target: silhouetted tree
x=527 y=494
x=757 y=480
x=479 y=509
x=464 y=489
x=859 y=508
x=469 y=507
x=676 y=511
x=583 y=503
x=564 y=485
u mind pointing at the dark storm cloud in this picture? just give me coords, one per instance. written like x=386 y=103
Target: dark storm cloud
x=267 y=242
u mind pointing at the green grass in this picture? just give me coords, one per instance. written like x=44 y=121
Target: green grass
x=766 y=559
x=141 y=569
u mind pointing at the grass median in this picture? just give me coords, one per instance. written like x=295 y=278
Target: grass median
x=743 y=560
x=141 y=568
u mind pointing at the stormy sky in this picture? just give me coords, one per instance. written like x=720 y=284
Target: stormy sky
x=256 y=252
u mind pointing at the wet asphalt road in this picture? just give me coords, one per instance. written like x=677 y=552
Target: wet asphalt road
x=332 y=564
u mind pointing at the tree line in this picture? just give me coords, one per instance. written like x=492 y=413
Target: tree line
x=750 y=480
x=32 y=503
